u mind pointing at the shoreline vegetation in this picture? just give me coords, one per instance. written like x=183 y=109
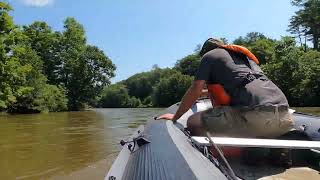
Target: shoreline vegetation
x=46 y=70
x=289 y=62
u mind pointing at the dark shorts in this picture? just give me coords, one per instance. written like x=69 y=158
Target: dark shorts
x=265 y=122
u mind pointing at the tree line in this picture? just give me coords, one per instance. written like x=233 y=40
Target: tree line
x=46 y=70
x=290 y=64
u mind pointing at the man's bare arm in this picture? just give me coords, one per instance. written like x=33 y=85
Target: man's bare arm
x=189 y=98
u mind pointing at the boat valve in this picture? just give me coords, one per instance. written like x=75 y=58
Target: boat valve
x=129 y=147
x=140 y=141
x=122 y=142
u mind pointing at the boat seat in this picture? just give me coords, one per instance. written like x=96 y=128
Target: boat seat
x=265 y=171
x=250 y=142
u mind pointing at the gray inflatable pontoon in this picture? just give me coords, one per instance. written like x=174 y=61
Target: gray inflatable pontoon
x=164 y=150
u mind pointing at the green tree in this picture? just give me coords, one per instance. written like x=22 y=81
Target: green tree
x=263 y=49
x=134 y=102
x=31 y=87
x=6 y=22
x=15 y=73
x=51 y=98
x=140 y=85
x=261 y=46
x=307 y=91
x=306 y=21
x=116 y=96
x=91 y=73
x=22 y=84
x=46 y=44
x=170 y=90
x=283 y=69
x=82 y=69
x=147 y=102
x=249 y=39
x=136 y=91
x=73 y=44
x=188 y=65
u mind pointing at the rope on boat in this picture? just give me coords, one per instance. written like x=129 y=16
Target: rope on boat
x=231 y=172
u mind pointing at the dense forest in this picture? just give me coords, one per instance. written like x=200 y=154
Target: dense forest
x=288 y=62
x=46 y=70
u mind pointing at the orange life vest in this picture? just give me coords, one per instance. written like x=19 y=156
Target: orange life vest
x=217 y=94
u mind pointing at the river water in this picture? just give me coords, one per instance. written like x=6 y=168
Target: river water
x=67 y=145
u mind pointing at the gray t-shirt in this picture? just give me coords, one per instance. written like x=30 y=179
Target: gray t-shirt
x=228 y=68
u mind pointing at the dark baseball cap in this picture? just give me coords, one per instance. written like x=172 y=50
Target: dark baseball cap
x=209 y=45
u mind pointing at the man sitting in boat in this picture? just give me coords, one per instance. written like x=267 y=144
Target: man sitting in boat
x=245 y=102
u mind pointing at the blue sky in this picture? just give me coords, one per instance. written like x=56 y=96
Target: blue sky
x=136 y=34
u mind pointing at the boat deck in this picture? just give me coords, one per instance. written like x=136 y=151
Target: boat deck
x=269 y=172
x=265 y=171
x=172 y=155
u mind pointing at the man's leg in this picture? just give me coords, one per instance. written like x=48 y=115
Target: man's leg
x=268 y=124
x=220 y=121
x=195 y=125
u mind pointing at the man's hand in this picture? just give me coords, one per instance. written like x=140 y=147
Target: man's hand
x=166 y=117
x=188 y=99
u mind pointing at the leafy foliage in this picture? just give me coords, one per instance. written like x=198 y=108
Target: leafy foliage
x=138 y=90
x=261 y=46
x=46 y=44
x=306 y=21
x=46 y=70
x=170 y=90
x=81 y=69
x=141 y=85
x=88 y=76
x=294 y=71
x=42 y=70
x=116 y=96
x=188 y=65
x=6 y=22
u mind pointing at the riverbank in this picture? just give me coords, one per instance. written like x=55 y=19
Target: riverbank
x=308 y=110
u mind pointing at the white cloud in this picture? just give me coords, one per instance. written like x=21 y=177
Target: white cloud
x=37 y=3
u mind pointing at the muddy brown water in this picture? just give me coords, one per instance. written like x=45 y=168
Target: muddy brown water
x=68 y=145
